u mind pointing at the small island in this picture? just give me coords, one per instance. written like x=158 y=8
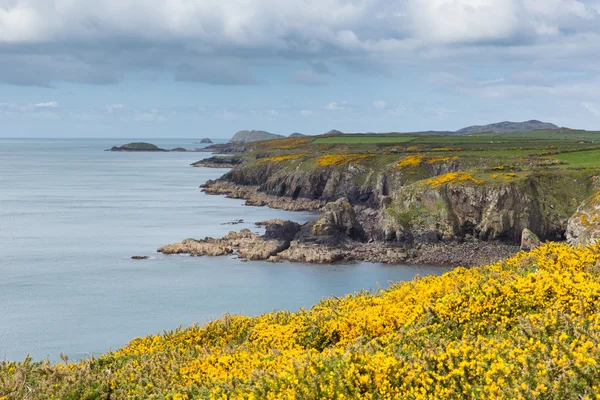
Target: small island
x=137 y=146
x=149 y=147
x=206 y=141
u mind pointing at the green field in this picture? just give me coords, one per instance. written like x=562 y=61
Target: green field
x=520 y=142
x=580 y=159
x=519 y=152
x=364 y=139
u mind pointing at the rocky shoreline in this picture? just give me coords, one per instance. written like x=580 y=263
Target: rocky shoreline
x=218 y=162
x=337 y=236
x=254 y=197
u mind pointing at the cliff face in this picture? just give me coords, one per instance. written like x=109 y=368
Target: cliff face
x=486 y=211
x=395 y=207
x=584 y=226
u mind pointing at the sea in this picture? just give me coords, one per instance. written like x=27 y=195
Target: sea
x=71 y=217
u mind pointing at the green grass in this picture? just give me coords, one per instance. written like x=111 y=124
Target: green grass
x=363 y=139
x=580 y=159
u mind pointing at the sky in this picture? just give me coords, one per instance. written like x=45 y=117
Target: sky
x=208 y=68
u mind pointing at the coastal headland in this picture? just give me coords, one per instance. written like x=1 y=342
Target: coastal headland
x=451 y=199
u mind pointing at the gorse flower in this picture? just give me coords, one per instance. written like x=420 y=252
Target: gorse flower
x=525 y=328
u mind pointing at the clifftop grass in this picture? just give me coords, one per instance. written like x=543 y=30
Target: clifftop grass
x=528 y=327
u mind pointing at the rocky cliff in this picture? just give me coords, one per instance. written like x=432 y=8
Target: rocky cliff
x=400 y=206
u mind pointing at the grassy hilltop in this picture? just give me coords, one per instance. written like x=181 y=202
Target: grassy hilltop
x=525 y=328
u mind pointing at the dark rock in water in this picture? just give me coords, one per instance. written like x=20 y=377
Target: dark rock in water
x=529 y=240
x=283 y=232
x=179 y=149
x=140 y=257
x=137 y=146
x=206 y=140
x=234 y=222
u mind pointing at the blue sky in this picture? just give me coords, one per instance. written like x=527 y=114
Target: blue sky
x=192 y=68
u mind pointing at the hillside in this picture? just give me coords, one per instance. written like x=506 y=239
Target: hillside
x=507 y=126
x=253 y=136
x=528 y=328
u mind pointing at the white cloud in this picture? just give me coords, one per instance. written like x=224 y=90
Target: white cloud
x=47 y=104
x=220 y=42
x=451 y=21
x=334 y=106
x=306 y=113
x=379 y=104
x=593 y=108
x=110 y=108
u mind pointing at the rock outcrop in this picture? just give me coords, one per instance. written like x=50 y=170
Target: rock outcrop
x=206 y=141
x=225 y=148
x=254 y=197
x=584 y=227
x=218 y=162
x=529 y=240
x=248 y=245
x=339 y=220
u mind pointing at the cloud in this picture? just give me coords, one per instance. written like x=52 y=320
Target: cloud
x=47 y=41
x=216 y=72
x=306 y=113
x=317 y=74
x=593 y=108
x=111 y=108
x=47 y=104
x=334 y=106
x=310 y=78
x=379 y=104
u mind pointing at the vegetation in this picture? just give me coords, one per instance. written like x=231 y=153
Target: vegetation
x=525 y=328
x=488 y=157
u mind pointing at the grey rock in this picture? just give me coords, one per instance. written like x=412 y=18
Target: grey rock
x=529 y=240
x=583 y=227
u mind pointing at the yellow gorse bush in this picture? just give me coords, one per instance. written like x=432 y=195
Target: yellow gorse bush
x=416 y=160
x=525 y=328
x=341 y=159
x=282 y=158
x=453 y=177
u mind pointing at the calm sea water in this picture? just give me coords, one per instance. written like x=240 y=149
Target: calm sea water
x=72 y=215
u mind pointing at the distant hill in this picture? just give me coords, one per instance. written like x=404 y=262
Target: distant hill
x=507 y=126
x=334 y=132
x=253 y=136
x=297 y=134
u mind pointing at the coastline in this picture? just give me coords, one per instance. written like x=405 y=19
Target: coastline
x=324 y=241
